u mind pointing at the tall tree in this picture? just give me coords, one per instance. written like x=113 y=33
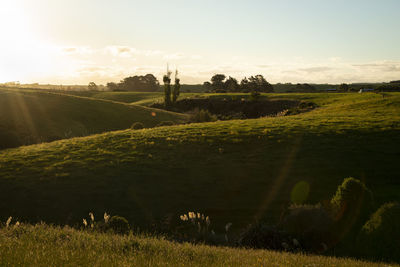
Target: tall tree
x=167 y=89
x=177 y=87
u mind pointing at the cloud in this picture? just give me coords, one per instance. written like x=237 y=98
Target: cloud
x=386 y=66
x=174 y=56
x=77 y=50
x=316 y=69
x=127 y=51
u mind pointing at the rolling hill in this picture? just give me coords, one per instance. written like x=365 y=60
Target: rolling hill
x=34 y=116
x=234 y=171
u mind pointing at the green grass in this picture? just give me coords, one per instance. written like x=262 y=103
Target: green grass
x=33 y=116
x=234 y=171
x=43 y=245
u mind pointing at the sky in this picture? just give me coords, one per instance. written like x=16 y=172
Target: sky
x=314 y=41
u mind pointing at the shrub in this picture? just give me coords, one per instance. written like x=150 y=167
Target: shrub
x=351 y=206
x=259 y=235
x=165 y=123
x=202 y=116
x=310 y=224
x=380 y=236
x=119 y=225
x=137 y=125
x=195 y=227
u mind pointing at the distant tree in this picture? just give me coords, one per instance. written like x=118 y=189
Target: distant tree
x=259 y=84
x=207 y=86
x=151 y=83
x=391 y=87
x=147 y=83
x=112 y=86
x=343 y=88
x=305 y=88
x=244 y=85
x=217 y=81
x=177 y=87
x=231 y=84
x=92 y=86
x=167 y=89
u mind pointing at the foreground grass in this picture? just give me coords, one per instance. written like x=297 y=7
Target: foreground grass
x=43 y=245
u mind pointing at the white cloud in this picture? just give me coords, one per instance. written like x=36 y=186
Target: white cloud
x=175 y=56
x=127 y=51
x=77 y=50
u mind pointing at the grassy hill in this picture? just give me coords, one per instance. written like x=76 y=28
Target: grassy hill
x=32 y=116
x=124 y=97
x=135 y=98
x=42 y=245
x=233 y=171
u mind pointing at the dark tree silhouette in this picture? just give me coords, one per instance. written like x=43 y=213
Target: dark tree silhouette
x=231 y=84
x=217 y=81
x=343 y=87
x=177 y=87
x=259 y=84
x=112 y=86
x=167 y=89
x=207 y=86
x=92 y=86
x=146 y=83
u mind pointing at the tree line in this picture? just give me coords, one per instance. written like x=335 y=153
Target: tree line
x=139 y=83
x=220 y=84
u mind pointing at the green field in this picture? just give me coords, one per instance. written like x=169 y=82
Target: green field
x=234 y=171
x=32 y=116
x=53 y=246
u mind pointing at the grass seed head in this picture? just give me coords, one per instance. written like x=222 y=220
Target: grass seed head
x=8 y=221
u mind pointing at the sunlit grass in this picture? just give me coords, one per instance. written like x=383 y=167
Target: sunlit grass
x=42 y=245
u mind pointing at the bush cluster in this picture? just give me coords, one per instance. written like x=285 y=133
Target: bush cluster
x=202 y=116
x=379 y=238
x=310 y=224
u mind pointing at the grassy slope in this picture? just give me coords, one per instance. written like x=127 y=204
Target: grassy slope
x=125 y=97
x=29 y=116
x=234 y=171
x=50 y=246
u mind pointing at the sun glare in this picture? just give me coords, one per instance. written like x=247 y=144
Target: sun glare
x=23 y=55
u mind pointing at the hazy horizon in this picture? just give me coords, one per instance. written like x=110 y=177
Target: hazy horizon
x=76 y=42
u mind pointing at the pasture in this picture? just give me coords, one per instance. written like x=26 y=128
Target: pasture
x=236 y=171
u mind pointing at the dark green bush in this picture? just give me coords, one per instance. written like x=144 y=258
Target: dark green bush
x=351 y=206
x=202 y=116
x=119 y=225
x=137 y=126
x=165 y=123
x=379 y=238
x=310 y=224
x=259 y=235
